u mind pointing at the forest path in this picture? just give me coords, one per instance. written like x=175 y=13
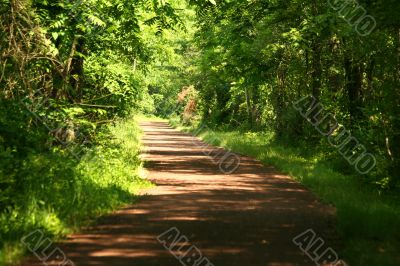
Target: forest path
x=247 y=218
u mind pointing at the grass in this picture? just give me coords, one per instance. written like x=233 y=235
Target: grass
x=367 y=221
x=58 y=194
x=149 y=117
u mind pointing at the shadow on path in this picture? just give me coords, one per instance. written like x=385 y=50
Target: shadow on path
x=247 y=218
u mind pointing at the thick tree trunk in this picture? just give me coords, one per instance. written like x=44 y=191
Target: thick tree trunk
x=354 y=76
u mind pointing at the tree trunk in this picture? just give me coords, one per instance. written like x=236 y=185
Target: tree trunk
x=248 y=105
x=280 y=102
x=354 y=76
x=316 y=60
x=76 y=79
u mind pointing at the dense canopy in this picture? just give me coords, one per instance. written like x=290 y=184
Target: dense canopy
x=318 y=77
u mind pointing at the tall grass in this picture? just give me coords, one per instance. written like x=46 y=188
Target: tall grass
x=368 y=221
x=58 y=194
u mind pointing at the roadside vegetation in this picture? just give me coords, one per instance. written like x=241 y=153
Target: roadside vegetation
x=74 y=73
x=58 y=194
x=72 y=76
x=361 y=210
x=254 y=60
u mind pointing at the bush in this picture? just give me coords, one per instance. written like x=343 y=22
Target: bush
x=56 y=193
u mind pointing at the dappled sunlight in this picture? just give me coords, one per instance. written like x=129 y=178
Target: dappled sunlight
x=248 y=217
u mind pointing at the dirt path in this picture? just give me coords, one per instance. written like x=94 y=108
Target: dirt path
x=247 y=218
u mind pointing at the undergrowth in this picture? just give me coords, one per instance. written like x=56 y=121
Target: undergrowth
x=57 y=193
x=368 y=221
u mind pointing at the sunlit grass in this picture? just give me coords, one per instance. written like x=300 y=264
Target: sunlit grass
x=148 y=117
x=368 y=223
x=59 y=195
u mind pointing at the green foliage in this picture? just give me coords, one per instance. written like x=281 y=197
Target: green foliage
x=121 y=89
x=55 y=193
x=68 y=71
x=366 y=220
x=172 y=67
x=256 y=58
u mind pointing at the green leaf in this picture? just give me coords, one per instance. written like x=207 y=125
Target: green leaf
x=55 y=35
